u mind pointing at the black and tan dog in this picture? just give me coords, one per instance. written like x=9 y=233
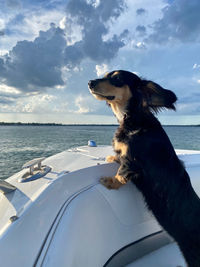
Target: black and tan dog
x=147 y=157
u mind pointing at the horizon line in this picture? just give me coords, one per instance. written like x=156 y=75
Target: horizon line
x=75 y=124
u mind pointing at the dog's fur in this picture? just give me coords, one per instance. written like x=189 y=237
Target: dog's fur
x=147 y=157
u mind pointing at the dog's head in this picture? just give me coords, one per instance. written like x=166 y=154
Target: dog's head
x=120 y=88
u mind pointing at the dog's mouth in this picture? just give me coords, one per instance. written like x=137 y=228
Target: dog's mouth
x=108 y=97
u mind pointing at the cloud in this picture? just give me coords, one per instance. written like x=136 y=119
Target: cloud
x=24 y=23
x=180 y=21
x=9 y=96
x=196 y=66
x=2 y=27
x=31 y=66
x=37 y=104
x=140 y=11
x=189 y=104
x=141 y=29
x=13 y=4
x=35 y=65
x=5 y=100
x=86 y=104
x=1 y=65
x=92 y=21
x=82 y=104
x=130 y=20
x=101 y=69
x=2 y=32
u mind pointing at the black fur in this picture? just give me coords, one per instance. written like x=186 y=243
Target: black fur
x=153 y=166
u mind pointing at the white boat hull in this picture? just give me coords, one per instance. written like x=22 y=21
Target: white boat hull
x=67 y=218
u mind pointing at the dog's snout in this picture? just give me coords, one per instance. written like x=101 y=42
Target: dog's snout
x=92 y=83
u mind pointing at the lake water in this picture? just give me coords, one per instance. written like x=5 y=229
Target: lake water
x=19 y=144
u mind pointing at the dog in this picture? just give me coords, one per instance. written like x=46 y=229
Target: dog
x=147 y=157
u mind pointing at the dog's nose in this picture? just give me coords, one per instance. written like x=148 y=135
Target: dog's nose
x=92 y=83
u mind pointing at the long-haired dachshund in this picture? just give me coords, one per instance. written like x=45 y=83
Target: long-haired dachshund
x=147 y=157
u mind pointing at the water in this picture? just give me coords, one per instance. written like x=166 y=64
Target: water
x=19 y=144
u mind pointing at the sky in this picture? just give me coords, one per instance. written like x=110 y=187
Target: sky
x=49 y=49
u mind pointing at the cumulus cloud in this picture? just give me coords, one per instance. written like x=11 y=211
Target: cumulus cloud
x=8 y=90
x=180 y=21
x=140 y=11
x=2 y=27
x=34 y=66
x=138 y=45
x=101 y=69
x=37 y=104
x=13 y=4
x=196 y=66
x=30 y=66
x=1 y=65
x=92 y=21
x=82 y=104
x=141 y=29
x=5 y=100
x=85 y=104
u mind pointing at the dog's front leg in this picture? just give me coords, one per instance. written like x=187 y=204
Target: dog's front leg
x=113 y=182
x=128 y=170
x=116 y=157
x=112 y=158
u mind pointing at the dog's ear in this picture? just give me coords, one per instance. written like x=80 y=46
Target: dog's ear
x=156 y=97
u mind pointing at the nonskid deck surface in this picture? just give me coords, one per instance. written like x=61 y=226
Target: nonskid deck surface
x=167 y=256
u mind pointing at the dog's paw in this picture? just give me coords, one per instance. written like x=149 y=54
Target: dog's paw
x=111 y=159
x=110 y=182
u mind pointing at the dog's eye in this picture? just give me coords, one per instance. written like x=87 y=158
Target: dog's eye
x=117 y=81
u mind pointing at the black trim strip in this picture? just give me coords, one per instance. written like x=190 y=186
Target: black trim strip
x=138 y=249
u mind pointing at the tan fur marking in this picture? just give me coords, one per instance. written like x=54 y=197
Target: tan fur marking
x=113 y=182
x=118 y=105
x=111 y=159
x=120 y=179
x=115 y=73
x=110 y=182
x=122 y=147
x=121 y=94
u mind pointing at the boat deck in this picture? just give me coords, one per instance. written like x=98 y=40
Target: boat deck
x=64 y=213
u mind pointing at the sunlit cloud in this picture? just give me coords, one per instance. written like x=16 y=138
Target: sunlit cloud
x=50 y=49
x=196 y=66
x=101 y=69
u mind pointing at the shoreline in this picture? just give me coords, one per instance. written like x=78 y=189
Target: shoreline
x=62 y=124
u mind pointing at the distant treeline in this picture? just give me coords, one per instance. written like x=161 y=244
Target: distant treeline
x=29 y=123
x=48 y=124
x=61 y=124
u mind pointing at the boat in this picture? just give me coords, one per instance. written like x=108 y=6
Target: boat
x=54 y=212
